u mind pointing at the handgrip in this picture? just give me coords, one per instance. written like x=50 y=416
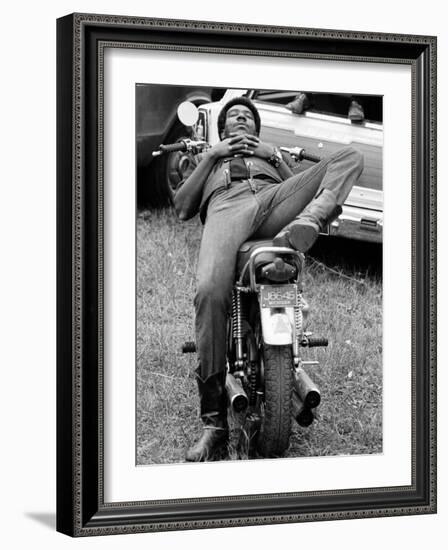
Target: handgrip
x=173 y=147
x=300 y=154
x=310 y=157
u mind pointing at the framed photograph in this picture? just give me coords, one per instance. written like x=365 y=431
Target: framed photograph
x=246 y=275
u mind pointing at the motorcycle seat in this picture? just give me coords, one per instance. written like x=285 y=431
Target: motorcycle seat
x=246 y=250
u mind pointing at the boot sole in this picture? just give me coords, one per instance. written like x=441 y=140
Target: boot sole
x=301 y=237
x=218 y=452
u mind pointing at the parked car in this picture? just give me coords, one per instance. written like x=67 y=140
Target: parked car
x=156 y=122
x=321 y=132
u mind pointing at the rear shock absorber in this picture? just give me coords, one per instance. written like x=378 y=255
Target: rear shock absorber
x=298 y=326
x=237 y=316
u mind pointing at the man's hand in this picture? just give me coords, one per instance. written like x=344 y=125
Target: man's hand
x=249 y=145
x=241 y=144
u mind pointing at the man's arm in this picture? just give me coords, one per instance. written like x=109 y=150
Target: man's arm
x=292 y=164
x=284 y=170
x=188 y=197
x=265 y=151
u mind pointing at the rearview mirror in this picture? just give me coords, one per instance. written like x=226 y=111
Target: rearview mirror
x=188 y=113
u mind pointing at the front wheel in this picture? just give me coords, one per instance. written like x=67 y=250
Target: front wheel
x=276 y=409
x=164 y=171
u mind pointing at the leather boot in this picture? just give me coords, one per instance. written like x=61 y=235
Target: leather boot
x=303 y=231
x=215 y=435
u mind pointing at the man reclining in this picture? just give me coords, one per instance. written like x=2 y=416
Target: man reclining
x=243 y=188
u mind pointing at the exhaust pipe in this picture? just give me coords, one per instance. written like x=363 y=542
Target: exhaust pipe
x=237 y=396
x=302 y=415
x=306 y=389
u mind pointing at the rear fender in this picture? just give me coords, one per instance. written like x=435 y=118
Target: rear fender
x=277 y=325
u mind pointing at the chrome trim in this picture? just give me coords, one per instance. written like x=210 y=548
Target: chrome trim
x=262 y=250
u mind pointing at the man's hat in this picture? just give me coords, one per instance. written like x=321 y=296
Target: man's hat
x=238 y=101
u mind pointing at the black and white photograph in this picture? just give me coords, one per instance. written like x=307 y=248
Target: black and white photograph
x=246 y=275
x=259 y=274
x=189 y=361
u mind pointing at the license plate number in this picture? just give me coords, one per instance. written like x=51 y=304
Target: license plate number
x=278 y=295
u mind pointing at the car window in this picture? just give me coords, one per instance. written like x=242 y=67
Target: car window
x=275 y=96
x=325 y=103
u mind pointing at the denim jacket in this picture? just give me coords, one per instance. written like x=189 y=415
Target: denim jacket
x=220 y=177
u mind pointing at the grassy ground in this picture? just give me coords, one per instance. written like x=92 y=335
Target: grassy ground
x=343 y=287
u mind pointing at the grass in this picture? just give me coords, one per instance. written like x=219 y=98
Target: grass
x=343 y=287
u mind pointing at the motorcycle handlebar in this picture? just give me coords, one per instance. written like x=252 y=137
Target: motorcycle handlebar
x=188 y=145
x=173 y=147
x=312 y=158
x=300 y=154
x=181 y=145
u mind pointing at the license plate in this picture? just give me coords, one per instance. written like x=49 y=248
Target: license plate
x=278 y=295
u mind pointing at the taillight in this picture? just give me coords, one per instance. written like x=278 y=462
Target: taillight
x=278 y=271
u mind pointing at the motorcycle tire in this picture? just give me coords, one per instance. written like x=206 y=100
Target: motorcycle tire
x=276 y=419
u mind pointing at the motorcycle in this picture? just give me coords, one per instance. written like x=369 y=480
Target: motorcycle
x=266 y=379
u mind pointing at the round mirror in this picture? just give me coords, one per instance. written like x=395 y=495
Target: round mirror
x=188 y=113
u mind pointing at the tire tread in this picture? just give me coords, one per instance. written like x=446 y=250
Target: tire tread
x=276 y=430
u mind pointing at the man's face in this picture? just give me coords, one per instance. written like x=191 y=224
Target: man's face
x=239 y=120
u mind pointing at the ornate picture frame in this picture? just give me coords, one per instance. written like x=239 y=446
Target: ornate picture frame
x=81 y=42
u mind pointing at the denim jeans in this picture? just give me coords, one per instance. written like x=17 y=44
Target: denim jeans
x=245 y=211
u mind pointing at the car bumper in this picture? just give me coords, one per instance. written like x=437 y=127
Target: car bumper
x=359 y=224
